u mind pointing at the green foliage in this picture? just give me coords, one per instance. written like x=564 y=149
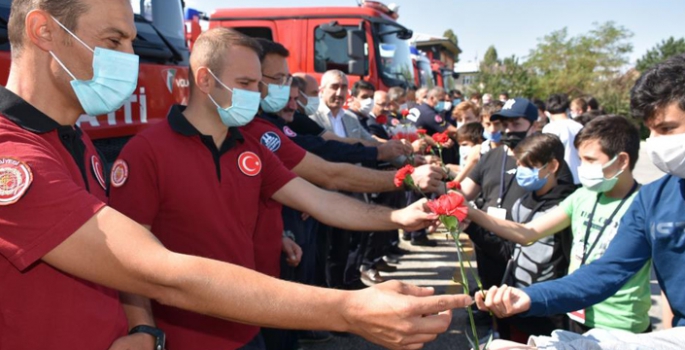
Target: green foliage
x=449 y=34
x=509 y=75
x=661 y=52
x=490 y=57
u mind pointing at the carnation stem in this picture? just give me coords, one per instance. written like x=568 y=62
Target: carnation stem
x=465 y=283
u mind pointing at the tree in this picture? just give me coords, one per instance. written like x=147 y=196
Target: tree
x=449 y=34
x=661 y=52
x=508 y=75
x=490 y=57
x=589 y=63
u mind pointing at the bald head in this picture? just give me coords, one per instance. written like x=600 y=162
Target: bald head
x=311 y=87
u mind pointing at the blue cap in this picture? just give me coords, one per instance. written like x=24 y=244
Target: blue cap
x=517 y=108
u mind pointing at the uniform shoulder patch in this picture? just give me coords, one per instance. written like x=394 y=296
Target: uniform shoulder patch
x=414 y=114
x=249 y=163
x=289 y=132
x=119 y=173
x=271 y=140
x=438 y=119
x=15 y=180
x=98 y=171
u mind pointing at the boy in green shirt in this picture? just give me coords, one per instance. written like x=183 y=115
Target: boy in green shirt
x=608 y=148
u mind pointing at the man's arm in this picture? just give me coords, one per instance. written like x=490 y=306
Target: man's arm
x=626 y=255
x=331 y=136
x=523 y=234
x=352 y=178
x=470 y=189
x=112 y=250
x=340 y=211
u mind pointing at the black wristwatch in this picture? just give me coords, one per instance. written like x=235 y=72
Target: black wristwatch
x=160 y=337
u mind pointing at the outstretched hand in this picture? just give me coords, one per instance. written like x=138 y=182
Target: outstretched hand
x=503 y=301
x=397 y=315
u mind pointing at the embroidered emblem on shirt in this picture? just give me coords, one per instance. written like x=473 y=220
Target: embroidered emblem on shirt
x=15 y=179
x=119 y=173
x=98 y=172
x=288 y=131
x=271 y=140
x=249 y=163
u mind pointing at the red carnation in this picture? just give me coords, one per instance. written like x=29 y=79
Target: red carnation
x=451 y=204
x=405 y=113
x=402 y=174
x=454 y=185
x=440 y=138
x=382 y=119
x=421 y=131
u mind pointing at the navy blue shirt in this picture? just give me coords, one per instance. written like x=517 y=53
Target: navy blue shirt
x=332 y=151
x=425 y=117
x=652 y=228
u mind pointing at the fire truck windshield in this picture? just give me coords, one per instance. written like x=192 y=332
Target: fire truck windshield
x=395 y=63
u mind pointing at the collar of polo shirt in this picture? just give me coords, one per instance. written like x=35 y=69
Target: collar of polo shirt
x=25 y=115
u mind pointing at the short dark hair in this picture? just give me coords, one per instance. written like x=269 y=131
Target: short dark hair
x=658 y=87
x=540 y=149
x=299 y=83
x=615 y=134
x=271 y=47
x=557 y=103
x=66 y=11
x=592 y=102
x=506 y=94
x=580 y=103
x=455 y=93
x=361 y=85
x=471 y=132
x=540 y=104
x=491 y=107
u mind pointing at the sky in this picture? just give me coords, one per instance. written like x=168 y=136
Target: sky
x=512 y=26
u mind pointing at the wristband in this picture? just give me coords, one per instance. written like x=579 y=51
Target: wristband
x=160 y=337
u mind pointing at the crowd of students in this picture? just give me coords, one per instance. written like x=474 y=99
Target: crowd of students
x=206 y=215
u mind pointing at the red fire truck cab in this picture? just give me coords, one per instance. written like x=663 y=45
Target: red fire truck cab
x=365 y=42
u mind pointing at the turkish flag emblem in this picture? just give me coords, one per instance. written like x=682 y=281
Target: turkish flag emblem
x=249 y=163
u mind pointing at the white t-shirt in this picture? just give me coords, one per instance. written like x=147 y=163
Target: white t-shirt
x=566 y=130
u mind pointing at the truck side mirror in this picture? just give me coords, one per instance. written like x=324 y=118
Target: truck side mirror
x=356 y=50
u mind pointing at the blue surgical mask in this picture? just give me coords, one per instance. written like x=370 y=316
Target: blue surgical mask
x=456 y=101
x=115 y=76
x=244 y=106
x=529 y=178
x=440 y=106
x=276 y=99
x=312 y=105
x=492 y=137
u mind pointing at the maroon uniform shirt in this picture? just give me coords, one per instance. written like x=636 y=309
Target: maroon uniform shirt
x=268 y=241
x=51 y=183
x=198 y=200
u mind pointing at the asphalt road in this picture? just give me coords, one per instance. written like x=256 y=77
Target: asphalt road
x=437 y=266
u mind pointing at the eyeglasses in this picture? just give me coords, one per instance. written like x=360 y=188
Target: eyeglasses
x=280 y=81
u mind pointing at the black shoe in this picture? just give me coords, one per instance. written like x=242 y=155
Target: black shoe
x=391 y=259
x=398 y=251
x=423 y=242
x=310 y=337
x=383 y=266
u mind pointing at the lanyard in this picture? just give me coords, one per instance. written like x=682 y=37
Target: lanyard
x=587 y=252
x=502 y=189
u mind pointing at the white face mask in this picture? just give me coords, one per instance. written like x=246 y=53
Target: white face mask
x=448 y=105
x=366 y=106
x=668 y=153
x=592 y=177
x=460 y=124
x=312 y=105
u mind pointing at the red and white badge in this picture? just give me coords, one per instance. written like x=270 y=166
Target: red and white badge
x=119 y=173
x=289 y=132
x=98 y=172
x=438 y=119
x=249 y=163
x=395 y=122
x=15 y=179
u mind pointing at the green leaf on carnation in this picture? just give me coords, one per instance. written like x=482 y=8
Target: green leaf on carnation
x=450 y=222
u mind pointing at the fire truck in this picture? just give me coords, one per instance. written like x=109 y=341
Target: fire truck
x=364 y=41
x=162 y=81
